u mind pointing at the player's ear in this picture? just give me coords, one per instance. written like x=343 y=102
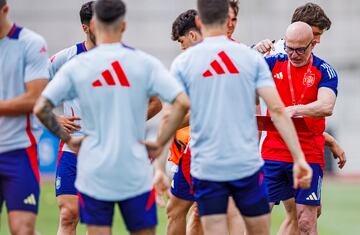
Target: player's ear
x=123 y=26
x=85 y=28
x=5 y=9
x=192 y=35
x=198 y=22
x=313 y=44
x=229 y=22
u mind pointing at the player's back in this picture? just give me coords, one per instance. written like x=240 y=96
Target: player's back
x=221 y=77
x=23 y=58
x=113 y=84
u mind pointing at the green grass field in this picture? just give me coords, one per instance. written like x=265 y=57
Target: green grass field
x=341 y=212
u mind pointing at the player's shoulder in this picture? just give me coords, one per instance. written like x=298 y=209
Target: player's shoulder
x=144 y=57
x=28 y=36
x=64 y=55
x=277 y=57
x=320 y=63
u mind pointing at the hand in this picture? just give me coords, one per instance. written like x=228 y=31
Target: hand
x=162 y=185
x=154 y=149
x=68 y=123
x=338 y=153
x=74 y=143
x=291 y=110
x=302 y=174
x=265 y=46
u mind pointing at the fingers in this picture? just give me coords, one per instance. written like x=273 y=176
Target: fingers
x=74 y=118
x=72 y=126
x=302 y=175
x=342 y=160
x=265 y=46
x=296 y=182
x=160 y=199
x=67 y=130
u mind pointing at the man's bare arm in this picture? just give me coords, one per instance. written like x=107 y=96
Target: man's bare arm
x=24 y=103
x=154 y=108
x=336 y=149
x=44 y=111
x=179 y=109
x=322 y=107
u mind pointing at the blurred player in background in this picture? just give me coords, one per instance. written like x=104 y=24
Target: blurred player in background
x=231 y=169
x=23 y=76
x=66 y=192
x=308 y=87
x=113 y=167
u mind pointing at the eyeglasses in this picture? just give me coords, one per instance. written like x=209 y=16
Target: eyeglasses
x=299 y=51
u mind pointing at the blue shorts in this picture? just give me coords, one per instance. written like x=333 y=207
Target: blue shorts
x=278 y=180
x=138 y=212
x=248 y=193
x=19 y=180
x=66 y=174
x=181 y=183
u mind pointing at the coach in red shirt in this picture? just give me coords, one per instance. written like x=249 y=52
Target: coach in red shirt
x=308 y=87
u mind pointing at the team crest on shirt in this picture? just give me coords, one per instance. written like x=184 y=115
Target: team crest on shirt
x=58 y=182
x=309 y=79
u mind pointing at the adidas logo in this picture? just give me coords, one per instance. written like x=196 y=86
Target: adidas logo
x=30 y=200
x=312 y=197
x=109 y=79
x=279 y=75
x=218 y=68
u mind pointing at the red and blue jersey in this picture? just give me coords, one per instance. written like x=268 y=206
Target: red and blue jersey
x=306 y=85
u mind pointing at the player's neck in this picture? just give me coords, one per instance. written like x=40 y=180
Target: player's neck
x=213 y=31
x=108 y=38
x=6 y=29
x=89 y=44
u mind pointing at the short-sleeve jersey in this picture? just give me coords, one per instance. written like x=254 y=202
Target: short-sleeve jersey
x=71 y=107
x=23 y=58
x=221 y=78
x=113 y=84
x=305 y=85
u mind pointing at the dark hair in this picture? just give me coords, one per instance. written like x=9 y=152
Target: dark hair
x=2 y=3
x=213 y=11
x=183 y=24
x=234 y=4
x=86 y=12
x=108 y=11
x=313 y=15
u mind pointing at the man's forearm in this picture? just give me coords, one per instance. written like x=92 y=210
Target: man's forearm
x=44 y=111
x=20 y=105
x=154 y=108
x=329 y=140
x=178 y=110
x=160 y=162
x=314 y=109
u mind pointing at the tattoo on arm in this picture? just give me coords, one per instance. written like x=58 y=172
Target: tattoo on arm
x=43 y=110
